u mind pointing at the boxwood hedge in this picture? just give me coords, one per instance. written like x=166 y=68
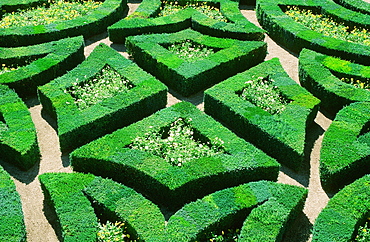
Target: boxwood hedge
x=355 y=5
x=282 y=136
x=187 y=77
x=320 y=74
x=18 y=141
x=38 y=64
x=94 y=23
x=110 y=156
x=296 y=36
x=345 y=152
x=345 y=212
x=12 y=226
x=144 y=20
x=251 y=206
x=77 y=127
x=11 y=6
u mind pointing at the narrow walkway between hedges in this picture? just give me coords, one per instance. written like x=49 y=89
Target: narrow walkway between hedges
x=39 y=218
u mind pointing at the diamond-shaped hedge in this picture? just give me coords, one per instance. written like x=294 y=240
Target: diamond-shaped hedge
x=188 y=77
x=77 y=126
x=146 y=20
x=282 y=135
x=345 y=152
x=322 y=74
x=18 y=141
x=261 y=209
x=90 y=24
x=111 y=156
x=38 y=64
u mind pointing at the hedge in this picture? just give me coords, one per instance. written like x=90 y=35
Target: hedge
x=320 y=74
x=250 y=206
x=12 y=228
x=11 y=6
x=345 y=212
x=296 y=36
x=18 y=141
x=88 y=25
x=355 y=5
x=48 y=61
x=345 y=152
x=186 y=77
x=164 y=183
x=76 y=218
x=282 y=136
x=145 y=20
x=77 y=127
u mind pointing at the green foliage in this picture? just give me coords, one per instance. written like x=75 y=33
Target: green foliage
x=110 y=232
x=264 y=94
x=328 y=26
x=190 y=51
x=281 y=135
x=107 y=83
x=52 y=11
x=363 y=232
x=178 y=145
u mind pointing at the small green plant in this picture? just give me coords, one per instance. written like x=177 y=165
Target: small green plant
x=111 y=232
x=363 y=232
x=171 y=7
x=262 y=93
x=231 y=235
x=52 y=11
x=177 y=145
x=190 y=51
x=4 y=68
x=328 y=26
x=105 y=84
x=364 y=84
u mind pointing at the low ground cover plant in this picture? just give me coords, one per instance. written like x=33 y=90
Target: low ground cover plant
x=363 y=232
x=328 y=27
x=191 y=51
x=107 y=83
x=364 y=84
x=52 y=11
x=113 y=232
x=264 y=94
x=171 y=7
x=177 y=145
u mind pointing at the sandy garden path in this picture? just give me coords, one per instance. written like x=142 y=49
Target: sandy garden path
x=39 y=218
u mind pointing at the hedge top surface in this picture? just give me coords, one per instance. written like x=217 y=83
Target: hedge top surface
x=324 y=70
x=69 y=116
x=145 y=20
x=84 y=25
x=355 y=5
x=344 y=213
x=289 y=126
x=272 y=17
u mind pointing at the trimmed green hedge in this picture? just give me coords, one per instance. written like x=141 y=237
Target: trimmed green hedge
x=345 y=152
x=13 y=5
x=282 y=136
x=251 y=206
x=53 y=59
x=18 y=141
x=88 y=25
x=355 y=5
x=12 y=228
x=78 y=127
x=170 y=185
x=296 y=36
x=320 y=74
x=144 y=21
x=75 y=215
x=187 y=77
x=345 y=212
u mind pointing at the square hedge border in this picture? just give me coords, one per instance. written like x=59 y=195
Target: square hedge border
x=88 y=25
x=186 y=77
x=144 y=21
x=317 y=73
x=77 y=127
x=18 y=144
x=282 y=136
x=166 y=184
x=296 y=36
x=53 y=59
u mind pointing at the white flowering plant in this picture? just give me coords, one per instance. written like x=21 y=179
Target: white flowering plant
x=178 y=144
x=105 y=84
x=190 y=51
x=264 y=94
